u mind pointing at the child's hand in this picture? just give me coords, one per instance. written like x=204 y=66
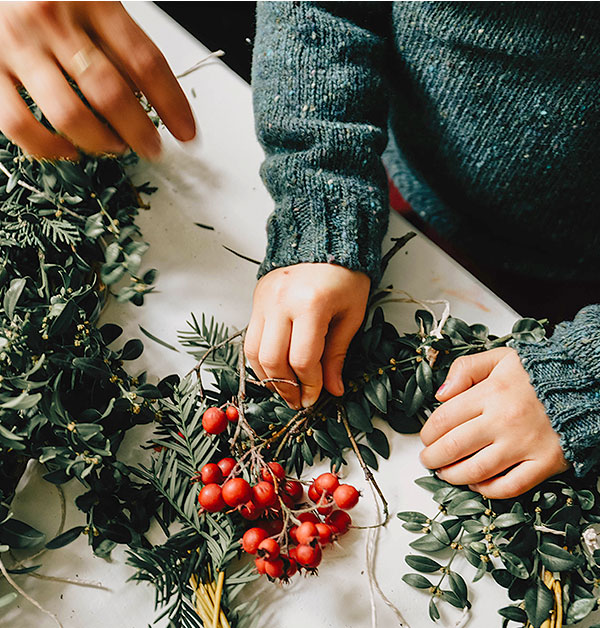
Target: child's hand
x=303 y=319
x=491 y=421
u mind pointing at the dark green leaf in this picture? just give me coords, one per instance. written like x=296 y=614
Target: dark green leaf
x=427 y=543
x=424 y=376
x=509 y=519
x=422 y=563
x=357 y=417
x=411 y=515
x=514 y=565
x=379 y=442
x=368 y=456
x=20 y=535
x=376 y=393
x=65 y=538
x=13 y=295
x=417 y=580
x=555 y=558
x=459 y=586
x=433 y=610
x=132 y=349
x=514 y=613
x=580 y=609
x=539 y=601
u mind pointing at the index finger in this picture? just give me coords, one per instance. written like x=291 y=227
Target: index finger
x=133 y=50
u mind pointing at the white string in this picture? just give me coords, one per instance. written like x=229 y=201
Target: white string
x=463 y=619
x=371 y=549
x=407 y=298
x=212 y=55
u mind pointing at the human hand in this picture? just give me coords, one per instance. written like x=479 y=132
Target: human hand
x=303 y=319
x=491 y=422
x=108 y=55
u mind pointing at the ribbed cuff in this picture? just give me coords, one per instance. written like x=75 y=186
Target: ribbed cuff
x=570 y=394
x=337 y=224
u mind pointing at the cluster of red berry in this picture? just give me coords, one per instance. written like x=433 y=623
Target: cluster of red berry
x=288 y=534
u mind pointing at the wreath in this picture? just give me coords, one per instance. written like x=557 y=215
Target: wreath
x=227 y=459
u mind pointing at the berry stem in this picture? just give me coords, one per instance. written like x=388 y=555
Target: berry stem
x=368 y=475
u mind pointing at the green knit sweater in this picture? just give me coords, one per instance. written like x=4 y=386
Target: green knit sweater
x=486 y=117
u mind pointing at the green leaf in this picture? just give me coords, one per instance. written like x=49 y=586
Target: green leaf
x=158 y=340
x=413 y=397
x=324 y=441
x=148 y=391
x=376 y=393
x=132 y=349
x=368 y=456
x=379 y=442
x=422 y=563
x=539 y=601
x=555 y=558
x=467 y=508
x=357 y=417
x=12 y=295
x=411 y=515
x=586 y=499
x=455 y=600
x=430 y=483
x=65 y=538
x=580 y=609
x=19 y=535
x=94 y=367
x=424 y=376
x=509 y=519
x=428 y=543
x=514 y=565
x=64 y=319
x=23 y=402
x=433 y=610
x=514 y=613
x=459 y=586
x=417 y=580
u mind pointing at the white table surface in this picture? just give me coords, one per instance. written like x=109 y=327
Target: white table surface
x=215 y=181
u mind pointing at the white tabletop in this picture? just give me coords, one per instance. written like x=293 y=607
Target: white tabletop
x=215 y=182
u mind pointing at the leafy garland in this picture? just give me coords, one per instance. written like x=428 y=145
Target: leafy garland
x=64 y=224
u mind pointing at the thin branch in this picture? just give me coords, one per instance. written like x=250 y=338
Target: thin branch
x=398 y=244
x=368 y=475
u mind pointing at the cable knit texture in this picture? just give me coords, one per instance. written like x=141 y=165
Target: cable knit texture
x=491 y=116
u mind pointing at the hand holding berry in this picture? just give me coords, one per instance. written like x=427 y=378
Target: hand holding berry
x=490 y=423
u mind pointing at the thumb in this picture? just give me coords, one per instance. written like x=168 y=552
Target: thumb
x=467 y=371
x=336 y=346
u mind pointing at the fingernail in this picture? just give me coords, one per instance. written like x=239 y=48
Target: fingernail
x=307 y=402
x=188 y=129
x=441 y=389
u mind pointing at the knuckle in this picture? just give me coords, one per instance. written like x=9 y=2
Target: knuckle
x=68 y=115
x=451 y=447
x=270 y=362
x=148 y=61
x=479 y=470
x=112 y=95
x=437 y=421
x=15 y=124
x=300 y=363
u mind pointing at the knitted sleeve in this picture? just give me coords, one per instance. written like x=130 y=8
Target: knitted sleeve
x=320 y=107
x=565 y=372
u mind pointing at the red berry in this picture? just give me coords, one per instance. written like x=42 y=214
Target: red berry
x=263 y=494
x=294 y=489
x=269 y=549
x=308 y=555
x=236 y=492
x=308 y=516
x=261 y=565
x=346 y=496
x=286 y=499
x=313 y=494
x=326 y=483
x=274 y=568
x=214 y=421
x=306 y=533
x=293 y=553
x=339 y=520
x=325 y=532
x=211 y=474
x=272 y=526
x=226 y=465
x=232 y=414
x=292 y=534
x=250 y=511
x=275 y=469
x=326 y=508
x=292 y=566
x=211 y=498
x=252 y=539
